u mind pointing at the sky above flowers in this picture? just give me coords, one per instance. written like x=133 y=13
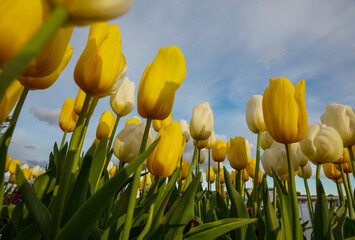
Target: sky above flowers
x=231 y=49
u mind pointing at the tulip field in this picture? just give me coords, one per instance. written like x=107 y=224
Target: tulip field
x=155 y=192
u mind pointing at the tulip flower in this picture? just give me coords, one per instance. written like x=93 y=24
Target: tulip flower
x=221 y=177
x=185 y=169
x=211 y=141
x=128 y=141
x=98 y=66
x=246 y=175
x=307 y=171
x=250 y=168
x=346 y=167
x=122 y=102
x=106 y=123
x=219 y=151
x=79 y=102
x=83 y=12
x=109 y=166
x=13 y=165
x=238 y=153
x=36 y=171
x=322 y=144
x=210 y=172
x=202 y=156
x=330 y=171
x=134 y=120
x=265 y=140
x=163 y=160
x=345 y=158
x=121 y=77
x=159 y=124
x=27 y=173
x=342 y=118
x=10 y=98
x=201 y=144
x=8 y=162
x=12 y=178
x=113 y=171
x=254 y=114
x=159 y=82
x=201 y=123
x=185 y=129
x=68 y=117
x=284 y=110
x=301 y=158
x=223 y=191
x=215 y=166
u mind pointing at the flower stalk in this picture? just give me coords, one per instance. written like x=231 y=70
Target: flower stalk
x=309 y=200
x=256 y=181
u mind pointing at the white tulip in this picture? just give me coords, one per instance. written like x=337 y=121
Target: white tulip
x=201 y=123
x=123 y=101
x=254 y=114
x=36 y=171
x=215 y=166
x=202 y=155
x=109 y=166
x=25 y=166
x=302 y=159
x=266 y=140
x=307 y=171
x=185 y=129
x=211 y=141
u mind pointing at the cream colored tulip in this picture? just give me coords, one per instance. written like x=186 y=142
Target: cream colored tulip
x=322 y=144
x=185 y=129
x=254 y=114
x=128 y=141
x=211 y=141
x=302 y=159
x=109 y=166
x=307 y=171
x=123 y=101
x=215 y=166
x=266 y=140
x=342 y=118
x=36 y=171
x=202 y=155
x=201 y=123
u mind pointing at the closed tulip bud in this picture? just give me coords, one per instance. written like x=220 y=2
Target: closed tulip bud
x=346 y=167
x=307 y=171
x=322 y=144
x=9 y=99
x=134 y=120
x=246 y=175
x=8 y=162
x=201 y=144
x=201 y=123
x=183 y=145
x=121 y=77
x=302 y=159
x=113 y=171
x=284 y=110
x=221 y=177
x=106 y=123
x=250 y=168
x=27 y=173
x=254 y=114
x=109 y=166
x=265 y=140
x=159 y=82
x=79 y=102
x=36 y=171
x=345 y=158
x=185 y=169
x=342 y=118
x=128 y=141
x=12 y=178
x=159 y=124
x=185 y=129
x=68 y=117
x=122 y=102
x=25 y=166
x=211 y=141
x=330 y=171
x=202 y=156
x=13 y=165
x=219 y=151
x=163 y=160
x=210 y=171
x=83 y=12
x=104 y=46
x=215 y=166
x=238 y=153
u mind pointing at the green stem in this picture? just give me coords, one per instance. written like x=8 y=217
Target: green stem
x=318 y=171
x=256 y=176
x=340 y=192
x=208 y=176
x=238 y=181
x=199 y=159
x=241 y=182
x=292 y=190
x=18 y=64
x=145 y=182
x=180 y=174
x=113 y=135
x=351 y=189
x=137 y=174
x=352 y=160
x=348 y=194
x=5 y=140
x=310 y=206
x=274 y=197
x=60 y=199
x=191 y=166
x=218 y=179
x=63 y=140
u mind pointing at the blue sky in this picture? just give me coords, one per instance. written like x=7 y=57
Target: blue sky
x=231 y=49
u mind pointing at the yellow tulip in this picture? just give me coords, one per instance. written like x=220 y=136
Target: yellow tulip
x=201 y=144
x=250 y=168
x=159 y=82
x=163 y=160
x=246 y=175
x=159 y=124
x=212 y=175
x=284 y=110
x=113 y=171
x=12 y=178
x=27 y=173
x=68 y=117
x=9 y=100
x=185 y=169
x=13 y=164
x=79 y=102
x=238 y=153
x=223 y=192
x=45 y=69
x=134 y=120
x=8 y=162
x=221 y=177
x=106 y=123
x=346 y=167
x=330 y=171
x=219 y=151
x=345 y=158
x=98 y=66
x=83 y=12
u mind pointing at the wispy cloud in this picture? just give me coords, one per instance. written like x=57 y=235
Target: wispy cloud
x=50 y=116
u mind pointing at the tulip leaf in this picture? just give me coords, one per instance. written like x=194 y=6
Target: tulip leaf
x=339 y=219
x=21 y=217
x=349 y=228
x=29 y=233
x=79 y=226
x=44 y=185
x=215 y=229
x=35 y=207
x=322 y=227
x=98 y=164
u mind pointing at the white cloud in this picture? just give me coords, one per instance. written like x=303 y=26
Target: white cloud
x=50 y=116
x=269 y=54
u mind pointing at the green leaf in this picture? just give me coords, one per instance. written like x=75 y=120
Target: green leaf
x=339 y=219
x=21 y=217
x=215 y=229
x=37 y=210
x=98 y=164
x=349 y=227
x=31 y=232
x=322 y=228
x=83 y=221
x=44 y=186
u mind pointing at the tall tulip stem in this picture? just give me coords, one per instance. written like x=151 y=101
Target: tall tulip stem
x=256 y=176
x=199 y=159
x=310 y=206
x=191 y=166
x=63 y=140
x=348 y=194
x=113 y=134
x=137 y=174
x=351 y=189
x=318 y=171
x=18 y=64
x=5 y=139
x=352 y=160
x=274 y=196
x=292 y=190
x=340 y=192
x=209 y=176
x=239 y=181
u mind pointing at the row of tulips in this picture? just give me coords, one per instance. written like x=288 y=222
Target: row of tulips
x=82 y=195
